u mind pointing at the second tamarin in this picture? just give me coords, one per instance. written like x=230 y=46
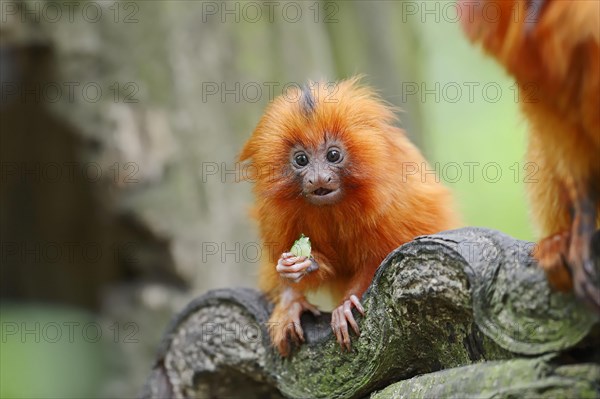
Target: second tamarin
x=327 y=162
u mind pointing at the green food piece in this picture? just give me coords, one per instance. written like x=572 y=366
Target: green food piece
x=301 y=246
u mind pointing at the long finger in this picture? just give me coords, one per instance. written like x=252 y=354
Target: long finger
x=336 y=329
x=298 y=267
x=292 y=260
x=288 y=261
x=343 y=324
x=350 y=317
x=288 y=270
x=291 y=333
x=356 y=302
x=298 y=328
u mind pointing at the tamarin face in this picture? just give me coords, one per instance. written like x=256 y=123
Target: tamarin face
x=325 y=145
x=319 y=171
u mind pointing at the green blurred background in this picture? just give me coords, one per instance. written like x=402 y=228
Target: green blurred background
x=95 y=264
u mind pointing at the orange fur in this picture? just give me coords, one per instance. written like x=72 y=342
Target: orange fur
x=555 y=59
x=382 y=207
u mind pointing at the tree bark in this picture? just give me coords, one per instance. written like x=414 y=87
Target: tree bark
x=439 y=302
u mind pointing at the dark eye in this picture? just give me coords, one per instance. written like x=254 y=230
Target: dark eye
x=301 y=159
x=333 y=155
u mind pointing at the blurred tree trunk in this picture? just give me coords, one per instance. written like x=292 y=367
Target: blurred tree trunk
x=181 y=86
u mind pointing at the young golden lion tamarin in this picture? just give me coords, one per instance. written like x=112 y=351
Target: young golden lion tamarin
x=329 y=163
x=552 y=48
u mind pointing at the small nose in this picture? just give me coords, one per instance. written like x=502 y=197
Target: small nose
x=319 y=178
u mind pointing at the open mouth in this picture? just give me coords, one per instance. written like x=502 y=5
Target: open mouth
x=324 y=196
x=322 y=191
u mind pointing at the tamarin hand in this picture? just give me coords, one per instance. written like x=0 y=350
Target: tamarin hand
x=341 y=317
x=293 y=268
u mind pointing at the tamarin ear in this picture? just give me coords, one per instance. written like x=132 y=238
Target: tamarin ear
x=248 y=151
x=245 y=160
x=245 y=155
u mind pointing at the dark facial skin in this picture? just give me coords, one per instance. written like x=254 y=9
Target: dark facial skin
x=319 y=171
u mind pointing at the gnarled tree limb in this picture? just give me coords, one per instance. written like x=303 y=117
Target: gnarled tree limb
x=439 y=302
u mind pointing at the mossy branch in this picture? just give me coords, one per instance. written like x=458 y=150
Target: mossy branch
x=439 y=302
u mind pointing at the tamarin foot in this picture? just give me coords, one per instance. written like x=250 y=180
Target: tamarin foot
x=551 y=254
x=566 y=268
x=341 y=317
x=585 y=274
x=567 y=257
x=284 y=324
